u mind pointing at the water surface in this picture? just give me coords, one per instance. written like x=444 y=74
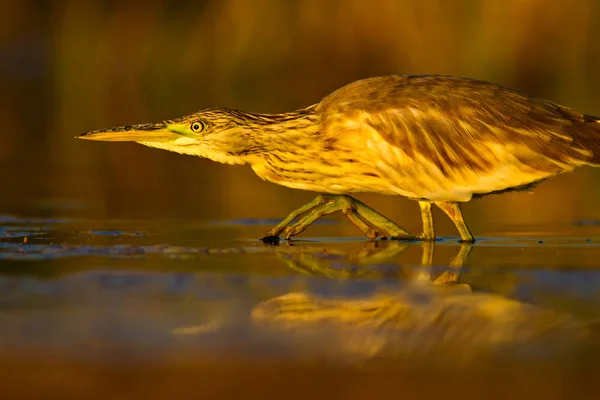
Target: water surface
x=97 y=306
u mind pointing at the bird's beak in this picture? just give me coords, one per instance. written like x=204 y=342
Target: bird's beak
x=133 y=133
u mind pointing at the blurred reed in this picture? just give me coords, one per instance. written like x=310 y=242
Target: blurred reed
x=70 y=66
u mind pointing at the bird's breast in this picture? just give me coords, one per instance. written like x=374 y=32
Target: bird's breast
x=324 y=176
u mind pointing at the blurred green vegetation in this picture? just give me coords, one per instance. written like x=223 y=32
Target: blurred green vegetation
x=69 y=66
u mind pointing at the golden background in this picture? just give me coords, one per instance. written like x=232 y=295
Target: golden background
x=72 y=66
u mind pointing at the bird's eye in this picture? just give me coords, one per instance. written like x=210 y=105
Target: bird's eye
x=197 y=126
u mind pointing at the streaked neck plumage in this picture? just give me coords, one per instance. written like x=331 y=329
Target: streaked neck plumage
x=241 y=138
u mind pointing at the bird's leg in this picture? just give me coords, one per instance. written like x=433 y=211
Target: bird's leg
x=276 y=231
x=455 y=266
x=427 y=217
x=461 y=258
x=369 y=221
x=424 y=271
x=427 y=255
x=452 y=210
x=312 y=208
x=382 y=225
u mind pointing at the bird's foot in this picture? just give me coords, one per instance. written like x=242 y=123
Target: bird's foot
x=369 y=221
x=272 y=240
x=426 y=238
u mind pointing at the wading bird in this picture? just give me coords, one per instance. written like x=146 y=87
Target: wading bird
x=434 y=139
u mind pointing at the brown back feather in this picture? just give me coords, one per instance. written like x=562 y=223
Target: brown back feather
x=445 y=118
x=587 y=135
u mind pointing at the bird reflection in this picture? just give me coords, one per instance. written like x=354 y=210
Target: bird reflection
x=424 y=315
x=321 y=260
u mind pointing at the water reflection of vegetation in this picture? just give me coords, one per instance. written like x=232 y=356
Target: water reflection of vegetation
x=428 y=315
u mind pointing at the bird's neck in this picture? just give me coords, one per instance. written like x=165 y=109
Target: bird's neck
x=267 y=133
x=278 y=131
x=252 y=136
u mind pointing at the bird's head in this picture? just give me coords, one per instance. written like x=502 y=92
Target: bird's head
x=221 y=135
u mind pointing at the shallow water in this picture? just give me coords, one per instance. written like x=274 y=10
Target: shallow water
x=98 y=306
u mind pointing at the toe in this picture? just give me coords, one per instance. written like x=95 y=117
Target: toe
x=271 y=239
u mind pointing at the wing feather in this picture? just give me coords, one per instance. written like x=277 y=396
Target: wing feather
x=445 y=138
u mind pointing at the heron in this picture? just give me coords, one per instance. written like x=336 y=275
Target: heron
x=436 y=139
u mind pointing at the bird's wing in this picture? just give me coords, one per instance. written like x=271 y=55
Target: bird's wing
x=448 y=138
